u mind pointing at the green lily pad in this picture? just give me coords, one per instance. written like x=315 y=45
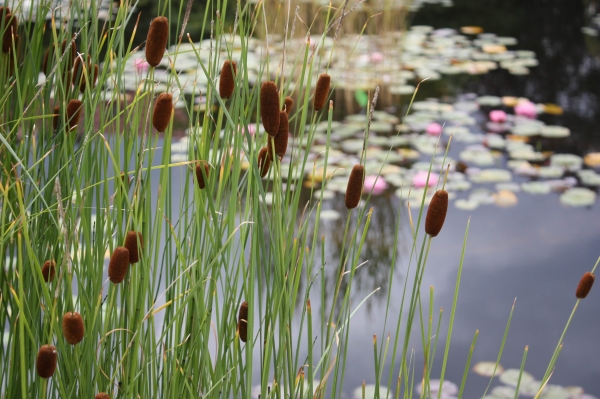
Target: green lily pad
x=511 y=377
x=466 y=204
x=578 y=196
x=569 y=162
x=555 y=131
x=486 y=369
x=536 y=187
x=491 y=176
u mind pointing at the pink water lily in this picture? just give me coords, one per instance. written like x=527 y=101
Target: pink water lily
x=434 y=129
x=420 y=179
x=375 y=185
x=498 y=116
x=141 y=65
x=526 y=108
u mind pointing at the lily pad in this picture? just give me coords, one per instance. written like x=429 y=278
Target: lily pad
x=486 y=369
x=592 y=159
x=569 y=162
x=555 y=131
x=578 y=196
x=505 y=198
x=511 y=377
x=536 y=187
x=330 y=214
x=466 y=204
x=589 y=177
x=491 y=176
x=370 y=392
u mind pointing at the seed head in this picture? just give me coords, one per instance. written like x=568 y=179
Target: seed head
x=585 y=285
x=56 y=117
x=264 y=161
x=74 y=108
x=10 y=30
x=355 y=186
x=199 y=176
x=269 y=107
x=45 y=362
x=288 y=104
x=102 y=395
x=436 y=214
x=227 y=79
x=49 y=270
x=162 y=112
x=72 y=327
x=280 y=141
x=118 y=265
x=79 y=75
x=243 y=321
x=322 y=91
x=156 y=41
x=131 y=243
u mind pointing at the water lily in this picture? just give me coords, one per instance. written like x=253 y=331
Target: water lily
x=498 y=116
x=141 y=65
x=374 y=184
x=420 y=179
x=434 y=129
x=526 y=108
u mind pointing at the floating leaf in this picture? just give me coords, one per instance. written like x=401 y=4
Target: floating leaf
x=511 y=377
x=536 y=187
x=486 y=369
x=578 y=196
x=569 y=162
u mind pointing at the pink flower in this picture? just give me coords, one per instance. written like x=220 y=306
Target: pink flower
x=526 y=108
x=375 y=185
x=420 y=179
x=377 y=57
x=141 y=65
x=498 y=116
x=434 y=129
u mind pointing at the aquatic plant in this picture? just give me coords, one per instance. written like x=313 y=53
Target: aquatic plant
x=156 y=41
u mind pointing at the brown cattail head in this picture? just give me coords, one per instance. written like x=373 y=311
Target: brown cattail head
x=74 y=108
x=585 y=285
x=156 y=41
x=4 y=10
x=49 y=270
x=56 y=117
x=67 y=60
x=45 y=362
x=118 y=265
x=264 y=161
x=355 y=186
x=243 y=321
x=131 y=243
x=436 y=214
x=102 y=395
x=227 y=79
x=269 y=107
x=288 y=104
x=72 y=327
x=162 y=112
x=322 y=91
x=280 y=141
x=199 y=177
x=10 y=30
x=81 y=76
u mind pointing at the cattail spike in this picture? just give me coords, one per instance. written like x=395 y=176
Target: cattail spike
x=102 y=395
x=227 y=79
x=72 y=327
x=74 y=108
x=162 y=112
x=118 y=265
x=243 y=321
x=355 y=186
x=156 y=41
x=264 y=161
x=80 y=69
x=56 y=118
x=10 y=29
x=436 y=214
x=585 y=285
x=49 y=270
x=45 y=362
x=322 y=91
x=288 y=104
x=131 y=243
x=280 y=141
x=199 y=177
x=269 y=107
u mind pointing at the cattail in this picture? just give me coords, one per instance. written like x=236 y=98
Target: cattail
x=288 y=103
x=74 y=108
x=199 y=176
x=280 y=141
x=227 y=79
x=156 y=41
x=10 y=30
x=322 y=91
x=46 y=361
x=355 y=186
x=585 y=285
x=79 y=75
x=102 y=395
x=56 y=117
x=243 y=321
x=4 y=10
x=264 y=161
x=49 y=270
x=269 y=107
x=67 y=60
x=131 y=243
x=72 y=327
x=436 y=214
x=118 y=265
x=162 y=112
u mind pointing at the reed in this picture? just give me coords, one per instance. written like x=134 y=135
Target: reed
x=243 y=322
x=73 y=328
x=156 y=41
x=436 y=214
x=118 y=265
x=264 y=161
x=355 y=186
x=163 y=109
x=322 y=91
x=585 y=285
x=45 y=362
x=202 y=165
x=135 y=244
x=84 y=71
x=74 y=108
x=269 y=107
x=56 y=118
x=227 y=79
x=10 y=32
x=49 y=270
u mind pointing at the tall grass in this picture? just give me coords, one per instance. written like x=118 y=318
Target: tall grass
x=81 y=185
